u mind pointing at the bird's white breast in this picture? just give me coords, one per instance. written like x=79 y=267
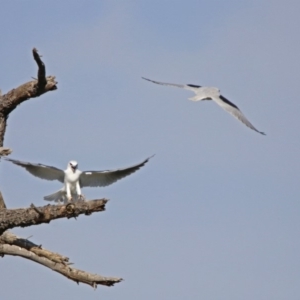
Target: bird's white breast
x=72 y=177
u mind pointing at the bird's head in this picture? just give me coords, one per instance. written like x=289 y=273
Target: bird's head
x=73 y=165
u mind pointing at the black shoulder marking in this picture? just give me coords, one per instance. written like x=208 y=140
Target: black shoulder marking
x=228 y=102
x=194 y=86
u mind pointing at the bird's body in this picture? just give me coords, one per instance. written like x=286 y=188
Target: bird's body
x=74 y=179
x=71 y=186
x=212 y=93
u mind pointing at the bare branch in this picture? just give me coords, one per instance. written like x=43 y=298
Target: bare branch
x=23 y=217
x=42 y=69
x=28 y=90
x=2 y=202
x=10 y=244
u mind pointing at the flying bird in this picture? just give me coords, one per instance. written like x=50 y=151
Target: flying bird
x=212 y=93
x=74 y=179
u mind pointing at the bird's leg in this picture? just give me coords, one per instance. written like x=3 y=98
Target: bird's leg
x=69 y=196
x=78 y=190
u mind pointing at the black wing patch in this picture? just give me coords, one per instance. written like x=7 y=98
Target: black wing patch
x=228 y=102
x=194 y=86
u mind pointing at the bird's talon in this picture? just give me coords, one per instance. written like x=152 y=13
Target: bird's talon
x=81 y=198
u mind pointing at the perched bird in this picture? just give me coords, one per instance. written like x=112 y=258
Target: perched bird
x=212 y=93
x=73 y=179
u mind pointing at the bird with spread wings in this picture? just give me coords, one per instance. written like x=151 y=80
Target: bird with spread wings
x=212 y=93
x=74 y=179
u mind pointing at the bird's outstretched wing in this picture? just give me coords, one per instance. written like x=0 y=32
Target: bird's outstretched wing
x=41 y=171
x=190 y=87
x=104 y=178
x=234 y=110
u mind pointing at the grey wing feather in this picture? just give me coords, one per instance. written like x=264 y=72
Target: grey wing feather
x=234 y=110
x=190 y=87
x=41 y=171
x=104 y=178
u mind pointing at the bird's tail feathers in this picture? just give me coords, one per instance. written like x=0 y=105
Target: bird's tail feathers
x=195 y=98
x=58 y=196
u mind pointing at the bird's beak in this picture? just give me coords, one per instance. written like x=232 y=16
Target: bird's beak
x=73 y=169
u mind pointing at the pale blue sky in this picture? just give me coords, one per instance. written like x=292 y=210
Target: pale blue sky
x=215 y=214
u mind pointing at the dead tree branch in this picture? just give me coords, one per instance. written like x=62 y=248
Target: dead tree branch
x=11 y=244
x=23 y=217
x=28 y=90
x=2 y=202
x=42 y=81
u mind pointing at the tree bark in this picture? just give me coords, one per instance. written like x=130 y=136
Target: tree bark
x=24 y=217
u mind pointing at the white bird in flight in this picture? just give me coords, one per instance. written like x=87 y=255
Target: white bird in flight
x=73 y=179
x=212 y=93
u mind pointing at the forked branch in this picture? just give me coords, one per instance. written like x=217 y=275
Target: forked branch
x=28 y=90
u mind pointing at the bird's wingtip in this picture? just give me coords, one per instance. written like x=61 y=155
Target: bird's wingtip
x=10 y=159
x=148 y=158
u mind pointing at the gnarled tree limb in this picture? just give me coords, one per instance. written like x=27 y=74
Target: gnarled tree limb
x=28 y=90
x=11 y=244
x=23 y=217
